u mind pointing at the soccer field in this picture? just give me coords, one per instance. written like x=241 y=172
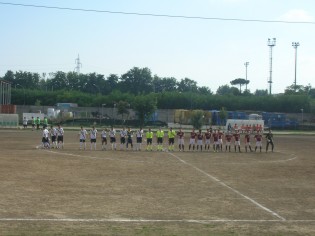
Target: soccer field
x=71 y=191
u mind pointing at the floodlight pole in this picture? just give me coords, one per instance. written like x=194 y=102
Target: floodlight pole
x=271 y=43
x=246 y=65
x=295 y=46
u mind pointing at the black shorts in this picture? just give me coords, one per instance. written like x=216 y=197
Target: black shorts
x=60 y=139
x=45 y=140
x=122 y=140
x=53 y=138
x=104 y=140
x=171 y=141
x=112 y=140
x=129 y=140
x=82 y=140
x=149 y=140
x=159 y=140
x=93 y=140
x=139 y=139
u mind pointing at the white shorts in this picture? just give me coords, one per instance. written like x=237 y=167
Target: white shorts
x=199 y=142
x=247 y=144
x=217 y=142
x=258 y=144
x=181 y=141
x=192 y=141
x=208 y=141
x=220 y=141
x=237 y=143
x=228 y=144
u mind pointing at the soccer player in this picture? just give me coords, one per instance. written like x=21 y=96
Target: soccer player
x=129 y=138
x=216 y=143
x=53 y=136
x=207 y=139
x=45 y=123
x=33 y=123
x=25 y=123
x=237 y=140
x=139 y=135
x=104 y=139
x=60 y=133
x=228 y=138
x=82 y=136
x=149 y=137
x=171 y=136
x=160 y=136
x=220 y=137
x=181 y=142
x=112 y=136
x=123 y=134
x=93 y=135
x=199 y=140
x=247 y=141
x=269 y=138
x=192 y=139
x=258 y=138
x=37 y=123
x=45 y=138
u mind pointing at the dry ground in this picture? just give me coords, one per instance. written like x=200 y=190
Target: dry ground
x=75 y=192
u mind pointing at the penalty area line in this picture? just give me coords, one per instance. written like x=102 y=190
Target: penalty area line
x=215 y=179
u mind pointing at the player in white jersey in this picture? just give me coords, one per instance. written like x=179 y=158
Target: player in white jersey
x=93 y=135
x=112 y=136
x=53 y=136
x=139 y=135
x=123 y=134
x=104 y=139
x=60 y=133
x=82 y=136
x=25 y=123
x=45 y=138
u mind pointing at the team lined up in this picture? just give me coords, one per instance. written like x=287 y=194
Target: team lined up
x=215 y=140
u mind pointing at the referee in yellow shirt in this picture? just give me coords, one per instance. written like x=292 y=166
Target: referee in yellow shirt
x=171 y=136
x=160 y=136
x=149 y=136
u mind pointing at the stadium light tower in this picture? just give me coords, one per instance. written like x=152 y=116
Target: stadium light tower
x=295 y=46
x=271 y=43
x=246 y=65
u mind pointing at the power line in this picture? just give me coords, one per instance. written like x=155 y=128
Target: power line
x=157 y=15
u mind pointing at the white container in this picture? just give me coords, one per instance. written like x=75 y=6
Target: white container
x=51 y=113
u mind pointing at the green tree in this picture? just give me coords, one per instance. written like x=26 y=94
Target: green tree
x=223 y=115
x=137 y=81
x=144 y=106
x=187 y=85
x=197 y=119
x=240 y=82
x=261 y=92
x=122 y=108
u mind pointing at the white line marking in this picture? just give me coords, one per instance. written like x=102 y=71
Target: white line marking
x=125 y=220
x=229 y=187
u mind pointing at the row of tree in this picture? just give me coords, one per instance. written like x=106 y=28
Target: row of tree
x=135 y=81
x=166 y=100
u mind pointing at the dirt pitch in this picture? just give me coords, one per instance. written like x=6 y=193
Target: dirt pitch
x=75 y=192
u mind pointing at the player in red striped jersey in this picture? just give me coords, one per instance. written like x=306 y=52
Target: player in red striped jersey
x=192 y=139
x=237 y=140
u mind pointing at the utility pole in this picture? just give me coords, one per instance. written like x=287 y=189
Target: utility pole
x=78 y=65
x=246 y=65
x=271 y=43
x=295 y=46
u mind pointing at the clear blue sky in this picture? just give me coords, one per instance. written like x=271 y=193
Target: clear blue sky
x=211 y=52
